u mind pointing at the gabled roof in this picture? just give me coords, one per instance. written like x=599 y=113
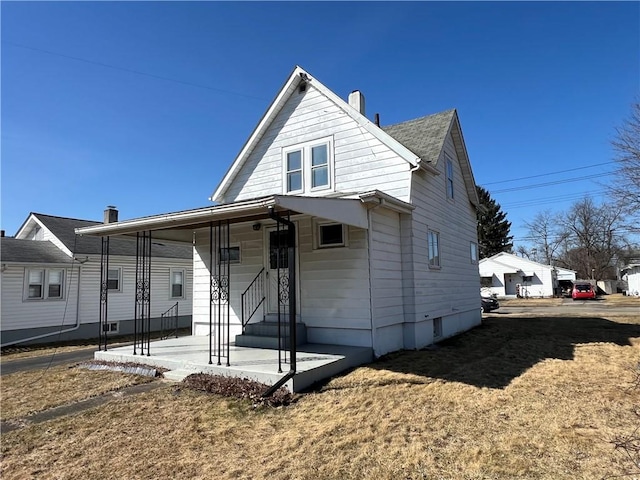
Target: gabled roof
x=425 y=136
x=508 y=259
x=28 y=251
x=419 y=142
x=64 y=230
x=298 y=76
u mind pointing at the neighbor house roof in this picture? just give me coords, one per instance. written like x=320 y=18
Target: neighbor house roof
x=64 y=229
x=28 y=251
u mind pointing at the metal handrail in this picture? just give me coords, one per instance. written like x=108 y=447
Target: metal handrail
x=252 y=298
x=166 y=319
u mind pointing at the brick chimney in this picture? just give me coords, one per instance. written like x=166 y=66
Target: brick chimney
x=110 y=214
x=356 y=100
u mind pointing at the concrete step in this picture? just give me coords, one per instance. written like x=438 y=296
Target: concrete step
x=256 y=341
x=270 y=329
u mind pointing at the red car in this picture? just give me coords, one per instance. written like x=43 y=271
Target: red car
x=583 y=291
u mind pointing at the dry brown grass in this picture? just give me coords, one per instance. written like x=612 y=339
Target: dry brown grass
x=26 y=393
x=534 y=398
x=616 y=299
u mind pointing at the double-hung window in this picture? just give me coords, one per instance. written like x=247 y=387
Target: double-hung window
x=308 y=167
x=44 y=283
x=113 y=279
x=177 y=283
x=433 y=241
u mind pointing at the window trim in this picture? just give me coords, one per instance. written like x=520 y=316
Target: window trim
x=232 y=261
x=119 y=289
x=306 y=167
x=317 y=236
x=473 y=252
x=171 y=284
x=433 y=264
x=45 y=284
x=449 y=177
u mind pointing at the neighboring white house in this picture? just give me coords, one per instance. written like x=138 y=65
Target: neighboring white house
x=506 y=275
x=51 y=282
x=375 y=227
x=632 y=276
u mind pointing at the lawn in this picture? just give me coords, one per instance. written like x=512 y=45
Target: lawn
x=517 y=398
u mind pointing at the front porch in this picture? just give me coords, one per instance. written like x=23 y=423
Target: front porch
x=186 y=355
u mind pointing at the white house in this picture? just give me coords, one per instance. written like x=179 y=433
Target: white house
x=365 y=235
x=505 y=275
x=51 y=282
x=632 y=276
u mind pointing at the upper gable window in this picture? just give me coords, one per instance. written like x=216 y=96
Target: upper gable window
x=449 y=167
x=308 y=167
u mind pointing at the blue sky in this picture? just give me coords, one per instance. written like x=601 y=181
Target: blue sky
x=145 y=105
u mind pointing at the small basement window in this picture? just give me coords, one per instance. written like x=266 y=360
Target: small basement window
x=111 y=327
x=437 y=327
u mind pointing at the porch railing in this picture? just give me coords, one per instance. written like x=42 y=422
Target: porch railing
x=169 y=322
x=252 y=298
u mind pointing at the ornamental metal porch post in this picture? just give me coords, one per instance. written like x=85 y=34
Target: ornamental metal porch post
x=103 y=325
x=142 y=314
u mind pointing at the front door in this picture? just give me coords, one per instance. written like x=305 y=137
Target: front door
x=277 y=268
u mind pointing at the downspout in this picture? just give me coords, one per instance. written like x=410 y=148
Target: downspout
x=370 y=247
x=59 y=332
x=291 y=233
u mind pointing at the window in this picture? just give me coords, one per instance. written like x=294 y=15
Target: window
x=433 y=241
x=177 y=283
x=486 y=281
x=35 y=283
x=449 y=167
x=111 y=327
x=331 y=235
x=474 y=252
x=113 y=279
x=54 y=289
x=437 y=327
x=229 y=254
x=42 y=284
x=308 y=167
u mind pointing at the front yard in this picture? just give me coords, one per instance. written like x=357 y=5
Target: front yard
x=529 y=398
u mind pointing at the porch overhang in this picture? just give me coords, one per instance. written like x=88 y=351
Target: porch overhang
x=179 y=226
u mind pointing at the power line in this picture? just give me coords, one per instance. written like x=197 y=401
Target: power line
x=136 y=72
x=547 y=174
x=556 y=182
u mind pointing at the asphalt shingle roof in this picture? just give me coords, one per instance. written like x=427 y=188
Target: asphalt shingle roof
x=424 y=136
x=29 y=251
x=64 y=229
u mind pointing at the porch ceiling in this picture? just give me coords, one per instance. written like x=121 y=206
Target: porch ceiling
x=179 y=226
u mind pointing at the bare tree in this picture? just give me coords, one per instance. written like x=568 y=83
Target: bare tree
x=625 y=189
x=547 y=236
x=594 y=238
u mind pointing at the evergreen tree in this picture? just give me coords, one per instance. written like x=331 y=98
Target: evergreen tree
x=493 y=226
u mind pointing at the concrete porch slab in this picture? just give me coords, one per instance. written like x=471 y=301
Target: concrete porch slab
x=186 y=355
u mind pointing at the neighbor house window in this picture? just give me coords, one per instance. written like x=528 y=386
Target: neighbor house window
x=35 y=283
x=486 y=281
x=474 y=252
x=449 y=168
x=54 y=284
x=177 y=283
x=308 y=166
x=113 y=279
x=433 y=240
x=331 y=235
x=230 y=254
x=44 y=283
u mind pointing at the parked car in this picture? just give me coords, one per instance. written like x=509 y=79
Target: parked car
x=489 y=304
x=583 y=291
